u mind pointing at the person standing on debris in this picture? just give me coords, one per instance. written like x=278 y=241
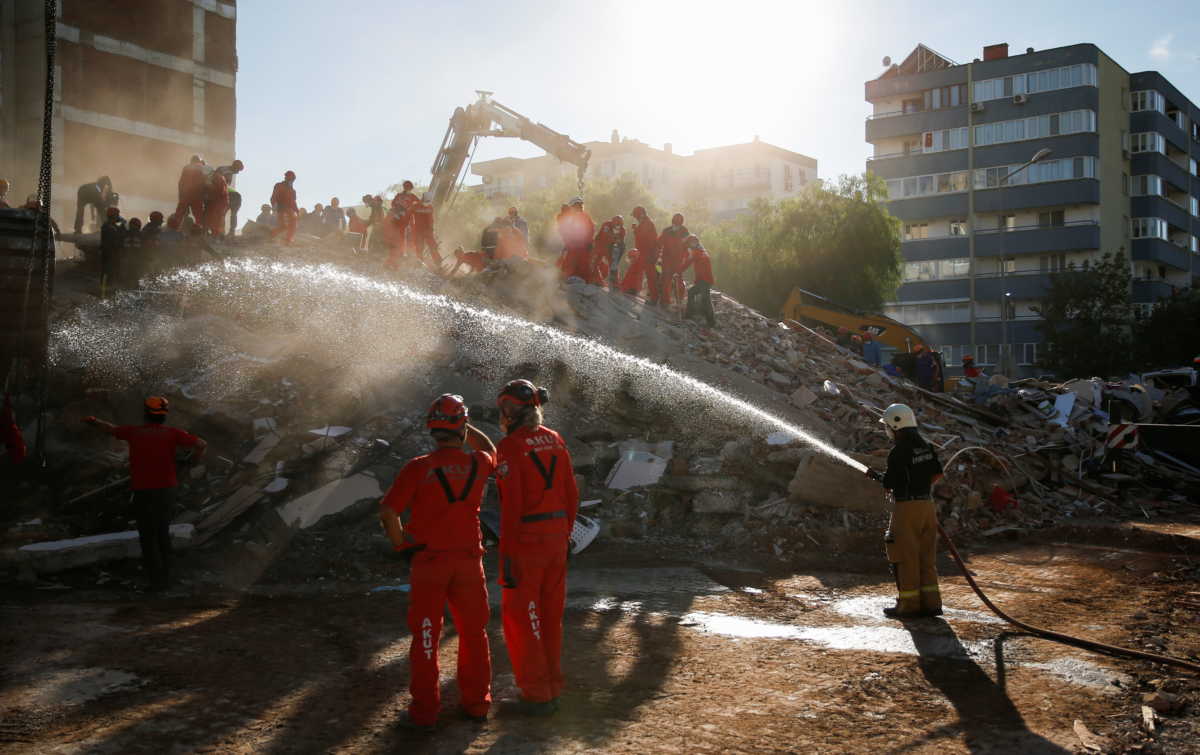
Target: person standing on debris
x=519 y=223
x=870 y=350
x=112 y=246
x=577 y=230
x=599 y=266
x=699 y=301
x=673 y=254
x=489 y=240
x=131 y=254
x=538 y=504
x=438 y=497
x=925 y=366
x=98 y=196
x=152 y=230
x=422 y=231
x=911 y=538
x=233 y=199
x=217 y=204
x=335 y=217
x=191 y=193
x=287 y=212
x=152 y=447
x=265 y=216
x=968 y=367
x=645 y=239
x=615 y=250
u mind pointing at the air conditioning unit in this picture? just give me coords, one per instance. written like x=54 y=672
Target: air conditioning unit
x=976 y=107
x=1020 y=99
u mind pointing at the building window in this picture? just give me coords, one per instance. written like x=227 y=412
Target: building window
x=959 y=227
x=1037 y=127
x=1148 y=228
x=1048 y=170
x=1006 y=222
x=916 y=186
x=1083 y=74
x=787 y=177
x=1026 y=354
x=944 y=139
x=1195 y=206
x=1147 y=99
x=1147 y=186
x=1195 y=243
x=1192 y=166
x=958 y=267
x=1052 y=263
x=1147 y=141
x=1052 y=219
x=916 y=231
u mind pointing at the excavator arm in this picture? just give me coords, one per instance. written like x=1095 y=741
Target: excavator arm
x=485 y=117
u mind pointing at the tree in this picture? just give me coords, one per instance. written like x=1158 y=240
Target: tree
x=1167 y=338
x=836 y=240
x=1087 y=319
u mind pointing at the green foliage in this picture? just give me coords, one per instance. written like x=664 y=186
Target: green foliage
x=1167 y=338
x=1087 y=320
x=836 y=240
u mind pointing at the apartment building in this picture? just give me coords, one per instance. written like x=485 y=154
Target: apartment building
x=727 y=178
x=1114 y=170
x=137 y=92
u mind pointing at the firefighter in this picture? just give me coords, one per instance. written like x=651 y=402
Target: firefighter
x=98 y=195
x=699 y=301
x=422 y=230
x=911 y=538
x=217 y=204
x=645 y=240
x=287 y=212
x=152 y=447
x=577 y=230
x=437 y=496
x=538 y=504
x=673 y=254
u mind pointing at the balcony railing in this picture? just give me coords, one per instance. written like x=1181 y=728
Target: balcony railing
x=1013 y=229
x=894 y=113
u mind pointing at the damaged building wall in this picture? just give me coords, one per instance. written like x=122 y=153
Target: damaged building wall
x=132 y=100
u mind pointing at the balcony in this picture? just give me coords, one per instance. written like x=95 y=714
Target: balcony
x=1149 y=290
x=893 y=86
x=1160 y=207
x=917 y=163
x=1157 y=250
x=1158 y=164
x=1051 y=193
x=1032 y=239
x=888 y=125
x=932 y=206
x=1022 y=284
x=936 y=248
x=1152 y=120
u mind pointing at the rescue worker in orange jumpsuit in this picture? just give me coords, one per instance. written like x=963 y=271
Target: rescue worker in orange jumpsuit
x=397 y=225
x=616 y=250
x=969 y=368
x=475 y=262
x=510 y=242
x=191 y=193
x=538 y=504
x=600 y=259
x=699 y=301
x=645 y=240
x=287 y=212
x=911 y=538
x=577 y=230
x=422 y=230
x=674 y=254
x=232 y=199
x=431 y=515
x=217 y=204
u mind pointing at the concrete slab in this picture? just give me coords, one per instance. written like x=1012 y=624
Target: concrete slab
x=54 y=556
x=307 y=510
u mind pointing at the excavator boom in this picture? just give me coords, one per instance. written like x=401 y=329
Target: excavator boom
x=486 y=117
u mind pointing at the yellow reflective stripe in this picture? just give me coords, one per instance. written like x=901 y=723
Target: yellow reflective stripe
x=930 y=588
x=909 y=593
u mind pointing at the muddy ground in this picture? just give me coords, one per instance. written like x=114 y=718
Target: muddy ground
x=666 y=652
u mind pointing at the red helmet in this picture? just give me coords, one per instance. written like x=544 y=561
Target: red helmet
x=524 y=393
x=113 y=212
x=448 y=412
x=639 y=212
x=677 y=219
x=867 y=335
x=157 y=405
x=238 y=166
x=289 y=176
x=968 y=358
x=156 y=217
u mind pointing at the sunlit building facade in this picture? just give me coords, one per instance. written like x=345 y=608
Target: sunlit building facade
x=982 y=234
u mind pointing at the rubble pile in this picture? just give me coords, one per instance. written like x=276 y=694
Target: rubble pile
x=301 y=448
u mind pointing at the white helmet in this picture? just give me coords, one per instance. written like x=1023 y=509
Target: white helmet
x=576 y=200
x=898 y=416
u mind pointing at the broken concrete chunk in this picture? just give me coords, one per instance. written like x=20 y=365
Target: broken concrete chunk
x=698 y=483
x=331 y=431
x=820 y=480
x=331 y=498
x=779 y=379
x=802 y=397
x=59 y=555
x=830 y=388
x=261 y=450
x=718 y=502
x=640 y=464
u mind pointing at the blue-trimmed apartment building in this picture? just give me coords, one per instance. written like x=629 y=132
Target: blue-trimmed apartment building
x=1121 y=175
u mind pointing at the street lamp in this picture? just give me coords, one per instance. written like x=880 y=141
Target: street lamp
x=1007 y=363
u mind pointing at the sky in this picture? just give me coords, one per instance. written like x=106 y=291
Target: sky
x=355 y=98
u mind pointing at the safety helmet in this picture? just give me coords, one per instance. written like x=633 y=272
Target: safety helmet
x=238 y=166
x=618 y=220
x=407 y=185
x=867 y=336
x=448 y=412
x=968 y=358
x=843 y=330
x=113 y=212
x=577 y=201
x=677 y=219
x=134 y=224
x=692 y=241
x=156 y=217
x=289 y=176
x=195 y=160
x=898 y=417
x=157 y=405
x=3 y=186
x=524 y=393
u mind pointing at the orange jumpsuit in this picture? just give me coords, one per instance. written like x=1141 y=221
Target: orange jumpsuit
x=600 y=260
x=645 y=238
x=191 y=196
x=422 y=232
x=538 y=504
x=576 y=229
x=218 y=204
x=438 y=497
x=510 y=243
x=283 y=199
x=674 y=255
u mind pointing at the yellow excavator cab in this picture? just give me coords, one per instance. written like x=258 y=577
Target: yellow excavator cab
x=809 y=308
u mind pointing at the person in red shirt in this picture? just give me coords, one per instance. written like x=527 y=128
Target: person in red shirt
x=218 y=204
x=600 y=259
x=645 y=239
x=152 y=447
x=674 y=255
x=700 y=294
x=615 y=250
x=969 y=368
x=287 y=213
x=437 y=496
x=422 y=230
x=538 y=504
x=577 y=229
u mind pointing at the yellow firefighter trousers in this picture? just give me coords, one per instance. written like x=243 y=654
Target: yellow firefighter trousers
x=911 y=546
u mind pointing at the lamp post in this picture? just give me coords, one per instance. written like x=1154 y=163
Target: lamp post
x=1007 y=363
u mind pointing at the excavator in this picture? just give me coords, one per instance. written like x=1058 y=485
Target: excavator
x=486 y=117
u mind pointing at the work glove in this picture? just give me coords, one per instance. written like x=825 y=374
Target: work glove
x=873 y=475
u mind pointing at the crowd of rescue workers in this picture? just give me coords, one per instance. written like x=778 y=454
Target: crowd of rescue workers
x=431 y=512
x=402 y=232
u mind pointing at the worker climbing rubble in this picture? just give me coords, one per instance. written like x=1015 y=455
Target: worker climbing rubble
x=192 y=181
x=645 y=265
x=615 y=251
x=152 y=477
x=222 y=199
x=287 y=212
x=699 y=301
x=911 y=538
x=431 y=516
x=474 y=262
x=423 y=238
x=673 y=255
x=577 y=230
x=599 y=267
x=538 y=503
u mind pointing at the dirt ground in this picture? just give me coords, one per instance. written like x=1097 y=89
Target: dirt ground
x=665 y=653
